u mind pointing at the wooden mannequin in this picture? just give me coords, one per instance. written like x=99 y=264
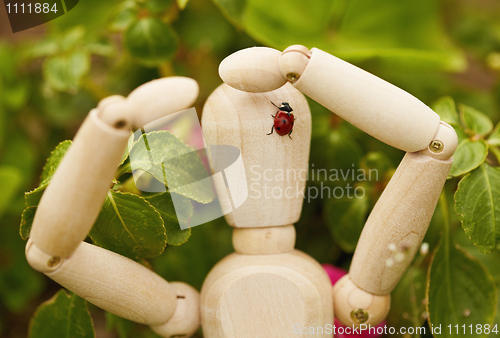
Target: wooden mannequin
x=404 y=210
x=265 y=288
x=279 y=286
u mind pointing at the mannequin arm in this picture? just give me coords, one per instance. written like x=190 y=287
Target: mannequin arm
x=403 y=212
x=397 y=224
x=64 y=218
x=73 y=199
x=377 y=107
x=395 y=229
x=390 y=238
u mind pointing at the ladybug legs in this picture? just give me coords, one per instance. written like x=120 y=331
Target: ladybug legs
x=272 y=128
x=289 y=134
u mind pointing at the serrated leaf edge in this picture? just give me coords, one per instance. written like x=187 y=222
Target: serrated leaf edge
x=51 y=153
x=23 y=221
x=482 y=161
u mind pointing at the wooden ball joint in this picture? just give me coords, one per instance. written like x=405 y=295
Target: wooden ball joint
x=265 y=288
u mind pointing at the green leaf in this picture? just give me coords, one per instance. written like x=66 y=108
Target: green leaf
x=157 y=6
x=65 y=72
x=171 y=216
x=124 y=19
x=461 y=134
x=101 y=47
x=477 y=203
x=373 y=30
x=32 y=197
x=63 y=316
x=489 y=260
x=352 y=30
x=407 y=300
x=54 y=160
x=27 y=222
x=475 y=121
x=182 y=3
x=10 y=181
x=346 y=219
x=460 y=291
x=72 y=38
x=130 y=226
x=151 y=41
x=159 y=154
x=447 y=111
x=232 y=9
x=43 y=47
x=266 y=21
x=495 y=136
x=468 y=156
x=126 y=15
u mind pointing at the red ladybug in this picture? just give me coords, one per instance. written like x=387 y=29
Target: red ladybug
x=283 y=120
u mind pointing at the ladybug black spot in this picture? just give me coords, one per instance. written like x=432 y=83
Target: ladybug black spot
x=278 y=128
x=284 y=121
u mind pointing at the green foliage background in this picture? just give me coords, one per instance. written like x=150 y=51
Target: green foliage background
x=446 y=53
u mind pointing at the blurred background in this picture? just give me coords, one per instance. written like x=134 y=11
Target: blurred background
x=52 y=75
